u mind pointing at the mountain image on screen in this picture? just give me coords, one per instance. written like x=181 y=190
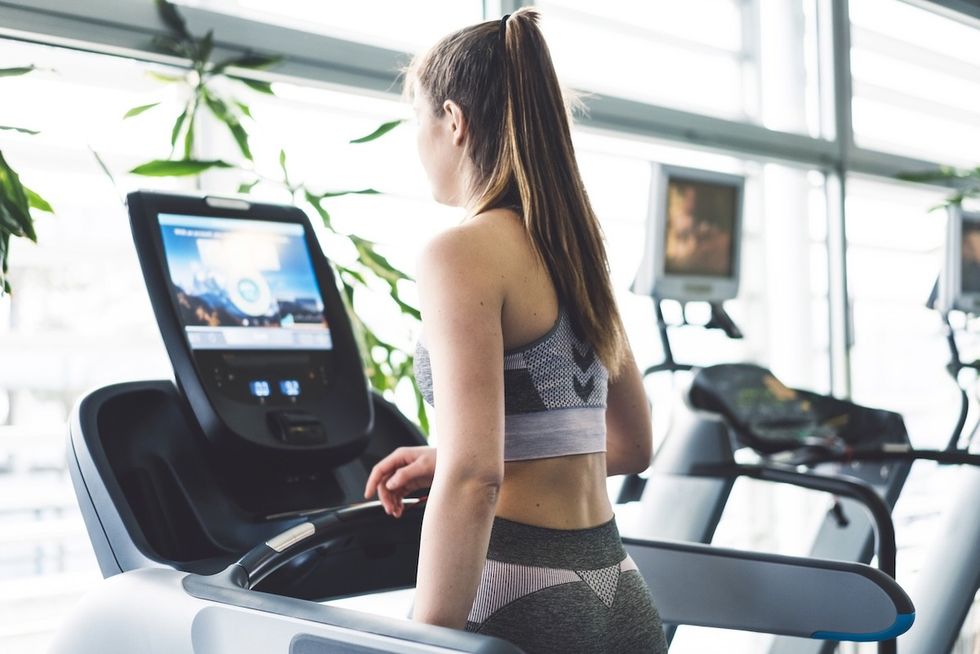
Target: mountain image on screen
x=209 y=304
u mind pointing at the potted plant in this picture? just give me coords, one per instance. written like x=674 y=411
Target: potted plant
x=16 y=200
x=211 y=88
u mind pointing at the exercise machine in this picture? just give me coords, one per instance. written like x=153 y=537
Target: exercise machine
x=859 y=454
x=224 y=506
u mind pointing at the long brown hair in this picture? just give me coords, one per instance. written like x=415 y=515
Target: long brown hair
x=501 y=75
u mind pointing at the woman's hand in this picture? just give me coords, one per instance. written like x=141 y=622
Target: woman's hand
x=405 y=470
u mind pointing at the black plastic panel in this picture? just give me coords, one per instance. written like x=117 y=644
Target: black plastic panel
x=334 y=391
x=770 y=417
x=180 y=506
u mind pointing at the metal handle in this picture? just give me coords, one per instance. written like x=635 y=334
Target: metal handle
x=265 y=558
x=841 y=486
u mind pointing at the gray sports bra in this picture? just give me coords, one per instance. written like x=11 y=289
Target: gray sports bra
x=554 y=395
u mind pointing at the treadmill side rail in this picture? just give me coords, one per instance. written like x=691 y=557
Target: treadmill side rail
x=809 y=598
x=108 y=621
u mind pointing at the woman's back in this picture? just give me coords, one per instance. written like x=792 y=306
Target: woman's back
x=564 y=492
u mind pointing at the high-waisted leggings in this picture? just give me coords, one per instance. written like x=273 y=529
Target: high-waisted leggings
x=565 y=591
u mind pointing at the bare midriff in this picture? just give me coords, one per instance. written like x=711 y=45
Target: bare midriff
x=566 y=492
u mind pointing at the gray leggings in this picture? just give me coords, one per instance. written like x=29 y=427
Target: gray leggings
x=564 y=590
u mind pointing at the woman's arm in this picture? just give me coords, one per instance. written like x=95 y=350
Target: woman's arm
x=629 y=433
x=461 y=297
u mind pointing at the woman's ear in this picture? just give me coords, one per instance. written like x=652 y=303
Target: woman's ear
x=457 y=123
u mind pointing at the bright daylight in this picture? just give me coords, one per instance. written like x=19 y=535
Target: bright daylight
x=490 y=326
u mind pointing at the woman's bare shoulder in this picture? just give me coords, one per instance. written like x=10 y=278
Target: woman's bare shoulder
x=482 y=246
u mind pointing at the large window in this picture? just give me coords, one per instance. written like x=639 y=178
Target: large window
x=895 y=249
x=916 y=82
x=743 y=60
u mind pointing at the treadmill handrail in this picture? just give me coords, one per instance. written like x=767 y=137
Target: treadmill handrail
x=692 y=584
x=866 y=604
x=842 y=485
x=265 y=558
x=893 y=453
x=710 y=586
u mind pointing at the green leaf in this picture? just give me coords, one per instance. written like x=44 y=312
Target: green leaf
x=168 y=168
x=406 y=308
x=136 y=111
x=359 y=241
x=19 y=129
x=374 y=262
x=37 y=202
x=4 y=247
x=16 y=220
x=324 y=214
x=172 y=18
x=105 y=168
x=175 y=132
x=942 y=174
x=421 y=412
x=244 y=109
x=249 y=60
x=223 y=113
x=20 y=70
x=337 y=194
x=246 y=187
x=256 y=85
x=189 y=135
x=162 y=77
x=285 y=171
x=9 y=223
x=380 y=131
x=18 y=207
x=966 y=183
x=954 y=200
x=241 y=138
x=172 y=46
x=347 y=296
x=205 y=47
x=350 y=272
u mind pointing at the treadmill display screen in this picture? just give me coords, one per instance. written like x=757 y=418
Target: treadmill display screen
x=700 y=227
x=970 y=271
x=244 y=284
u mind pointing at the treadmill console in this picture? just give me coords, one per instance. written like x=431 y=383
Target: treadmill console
x=770 y=417
x=250 y=314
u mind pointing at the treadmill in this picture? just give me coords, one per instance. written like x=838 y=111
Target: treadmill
x=861 y=455
x=225 y=505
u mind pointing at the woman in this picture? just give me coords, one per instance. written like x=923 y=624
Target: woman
x=536 y=395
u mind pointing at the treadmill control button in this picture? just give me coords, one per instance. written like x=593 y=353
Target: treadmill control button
x=289 y=387
x=297 y=428
x=259 y=388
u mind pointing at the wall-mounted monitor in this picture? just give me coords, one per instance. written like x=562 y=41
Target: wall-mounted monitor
x=693 y=239
x=960 y=280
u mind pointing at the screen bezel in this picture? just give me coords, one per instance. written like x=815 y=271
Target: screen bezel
x=154 y=205
x=228 y=423
x=951 y=281
x=652 y=278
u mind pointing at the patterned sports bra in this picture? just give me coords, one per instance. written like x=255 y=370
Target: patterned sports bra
x=554 y=395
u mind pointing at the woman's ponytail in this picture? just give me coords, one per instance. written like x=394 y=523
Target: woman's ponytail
x=522 y=147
